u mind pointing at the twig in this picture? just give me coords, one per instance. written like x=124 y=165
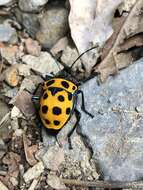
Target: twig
x=104 y=184
x=126 y=111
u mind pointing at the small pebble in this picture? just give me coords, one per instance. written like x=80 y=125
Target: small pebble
x=59 y=46
x=32 y=47
x=12 y=76
x=50 y=161
x=33 y=172
x=2 y=186
x=15 y=112
x=10 y=53
x=14 y=181
x=23 y=69
x=55 y=182
x=8 y=34
x=44 y=64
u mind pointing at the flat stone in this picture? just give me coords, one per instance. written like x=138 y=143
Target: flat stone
x=115 y=134
x=8 y=34
x=2 y=186
x=11 y=92
x=33 y=81
x=33 y=172
x=50 y=160
x=54 y=182
x=59 y=46
x=44 y=64
x=24 y=104
x=12 y=76
x=31 y=5
x=10 y=53
x=32 y=47
x=29 y=21
x=53 y=26
x=15 y=112
x=5 y=2
x=23 y=69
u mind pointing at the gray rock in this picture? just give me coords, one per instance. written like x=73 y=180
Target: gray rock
x=70 y=54
x=29 y=21
x=5 y=2
x=44 y=64
x=53 y=26
x=31 y=5
x=11 y=92
x=115 y=134
x=8 y=34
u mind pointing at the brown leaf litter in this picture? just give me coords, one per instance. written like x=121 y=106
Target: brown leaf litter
x=127 y=36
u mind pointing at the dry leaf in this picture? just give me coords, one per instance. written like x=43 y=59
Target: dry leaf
x=126 y=5
x=132 y=25
x=135 y=41
x=90 y=23
x=29 y=151
x=117 y=24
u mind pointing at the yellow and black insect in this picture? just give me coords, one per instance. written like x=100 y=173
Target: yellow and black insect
x=58 y=103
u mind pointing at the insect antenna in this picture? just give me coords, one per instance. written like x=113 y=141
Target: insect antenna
x=68 y=69
x=82 y=55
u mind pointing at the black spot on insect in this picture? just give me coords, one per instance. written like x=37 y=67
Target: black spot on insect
x=54 y=90
x=45 y=96
x=65 y=84
x=57 y=110
x=70 y=96
x=50 y=82
x=44 y=109
x=73 y=87
x=68 y=110
x=47 y=121
x=61 y=98
x=56 y=122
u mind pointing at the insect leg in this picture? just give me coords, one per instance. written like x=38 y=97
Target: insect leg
x=49 y=76
x=78 y=116
x=36 y=98
x=83 y=105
